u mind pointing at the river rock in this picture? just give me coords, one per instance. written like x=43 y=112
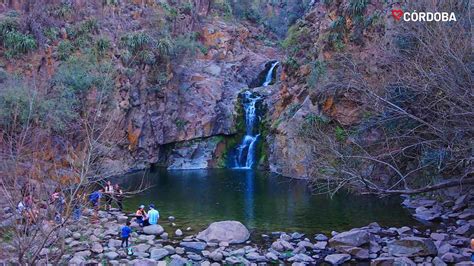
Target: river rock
x=451 y=257
x=141 y=247
x=216 y=255
x=97 y=248
x=320 y=245
x=465 y=230
x=255 y=256
x=178 y=232
x=337 y=259
x=411 y=247
x=153 y=229
x=164 y=236
x=321 y=237
x=302 y=258
x=158 y=253
x=352 y=238
x=76 y=236
x=232 y=232
x=77 y=261
x=271 y=256
x=171 y=218
x=111 y=255
x=194 y=256
x=389 y=261
x=282 y=245
x=193 y=245
x=355 y=252
x=113 y=243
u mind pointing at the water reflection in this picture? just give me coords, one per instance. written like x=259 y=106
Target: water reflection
x=262 y=202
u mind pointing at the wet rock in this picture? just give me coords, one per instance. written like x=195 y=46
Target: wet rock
x=412 y=246
x=404 y=231
x=158 y=253
x=321 y=237
x=389 y=261
x=337 y=259
x=170 y=249
x=154 y=229
x=194 y=245
x=352 y=238
x=178 y=232
x=232 y=232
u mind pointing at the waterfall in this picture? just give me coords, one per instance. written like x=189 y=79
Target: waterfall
x=245 y=153
x=245 y=156
x=268 y=78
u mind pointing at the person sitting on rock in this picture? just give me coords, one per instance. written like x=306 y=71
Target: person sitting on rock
x=153 y=215
x=141 y=216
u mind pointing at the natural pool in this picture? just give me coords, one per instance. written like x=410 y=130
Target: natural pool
x=264 y=203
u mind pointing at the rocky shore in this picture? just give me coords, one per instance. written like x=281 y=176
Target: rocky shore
x=445 y=242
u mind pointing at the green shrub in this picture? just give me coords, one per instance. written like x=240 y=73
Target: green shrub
x=357 y=7
x=340 y=134
x=101 y=46
x=318 y=70
x=18 y=43
x=64 y=50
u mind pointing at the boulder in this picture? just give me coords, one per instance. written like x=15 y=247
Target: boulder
x=178 y=232
x=111 y=255
x=411 y=247
x=153 y=229
x=321 y=237
x=302 y=258
x=97 y=248
x=354 y=238
x=232 y=232
x=337 y=259
x=355 y=252
x=465 y=230
x=158 y=253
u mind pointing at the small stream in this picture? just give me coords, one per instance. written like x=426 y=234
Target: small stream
x=262 y=202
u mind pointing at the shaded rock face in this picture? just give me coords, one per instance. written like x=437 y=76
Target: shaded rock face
x=175 y=125
x=232 y=232
x=411 y=247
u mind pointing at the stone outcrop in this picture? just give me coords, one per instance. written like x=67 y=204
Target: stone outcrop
x=232 y=232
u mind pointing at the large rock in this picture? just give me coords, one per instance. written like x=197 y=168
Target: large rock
x=337 y=259
x=411 y=247
x=232 y=232
x=153 y=229
x=354 y=238
x=158 y=253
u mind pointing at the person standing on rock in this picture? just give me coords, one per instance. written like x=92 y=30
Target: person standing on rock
x=94 y=199
x=119 y=196
x=109 y=195
x=126 y=230
x=153 y=215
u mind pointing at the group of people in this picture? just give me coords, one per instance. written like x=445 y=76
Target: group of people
x=111 y=193
x=145 y=218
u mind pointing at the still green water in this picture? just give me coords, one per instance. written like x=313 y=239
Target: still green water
x=262 y=202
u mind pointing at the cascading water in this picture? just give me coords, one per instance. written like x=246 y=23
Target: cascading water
x=246 y=150
x=245 y=156
x=268 y=78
